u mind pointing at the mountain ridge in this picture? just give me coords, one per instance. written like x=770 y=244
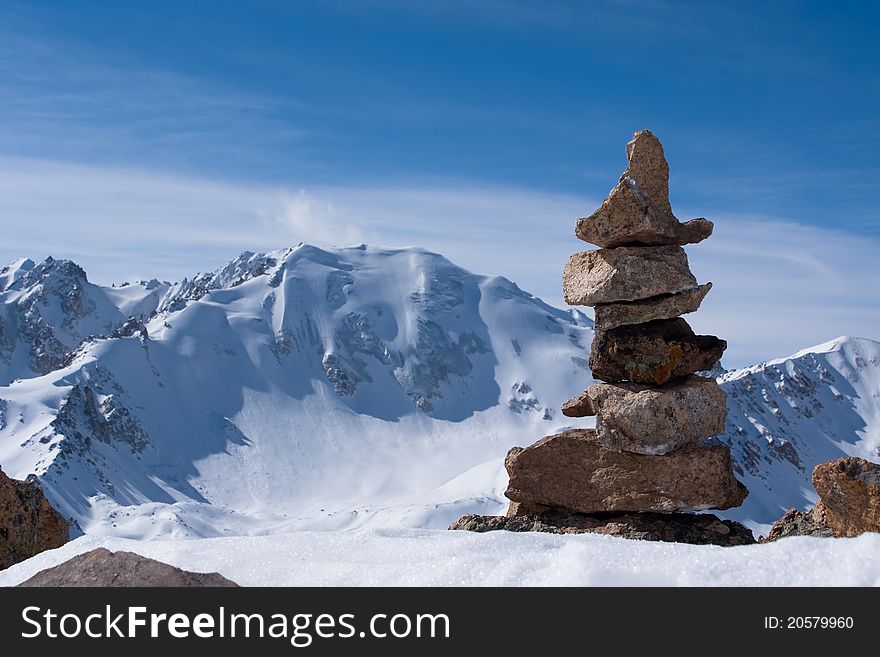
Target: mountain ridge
x=335 y=388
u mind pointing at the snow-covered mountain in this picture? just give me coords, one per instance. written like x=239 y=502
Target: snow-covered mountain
x=50 y=309
x=354 y=387
x=787 y=415
x=321 y=387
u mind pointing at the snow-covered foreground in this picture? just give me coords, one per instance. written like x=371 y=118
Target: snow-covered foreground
x=407 y=557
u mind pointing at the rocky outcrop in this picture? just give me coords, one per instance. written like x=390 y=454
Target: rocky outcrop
x=698 y=529
x=653 y=420
x=646 y=462
x=849 y=502
x=28 y=524
x=799 y=523
x=59 y=284
x=625 y=274
x=103 y=568
x=849 y=493
x=655 y=352
x=573 y=471
x=666 y=306
x=94 y=411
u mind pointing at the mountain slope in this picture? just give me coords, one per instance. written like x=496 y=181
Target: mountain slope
x=787 y=415
x=329 y=389
x=296 y=386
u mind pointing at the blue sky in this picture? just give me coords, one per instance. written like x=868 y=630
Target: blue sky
x=159 y=138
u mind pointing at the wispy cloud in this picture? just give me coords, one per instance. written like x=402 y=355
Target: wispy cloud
x=67 y=100
x=779 y=285
x=317 y=220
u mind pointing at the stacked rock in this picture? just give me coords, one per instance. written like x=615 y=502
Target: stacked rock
x=653 y=411
x=646 y=454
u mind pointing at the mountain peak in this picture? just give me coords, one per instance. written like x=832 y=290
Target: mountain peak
x=13 y=271
x=48 y=310
x=851 y=347
x=51 y=270
x=840 y=343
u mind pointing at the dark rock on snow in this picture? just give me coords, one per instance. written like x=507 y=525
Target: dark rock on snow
x=849 y=492
x=28 y=524
x=101 y=567
x=799 y=523
x=849 y=502
x=697 y=529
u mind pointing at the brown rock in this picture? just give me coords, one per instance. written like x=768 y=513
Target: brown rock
x=103 y=568
x=637 y=210
x=627 y=218
x=625 y=274
x=28 y=524
x=667 y=306
x=797 y=523
x=657 y=420
x=580 y=406
x=849 y=492
x=693 y=231
x=516 y=509
x=654 y=352
x=572 y=470
x=646 y=164
x=696 y=529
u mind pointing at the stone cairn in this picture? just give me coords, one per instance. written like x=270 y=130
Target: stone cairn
x=645 y=466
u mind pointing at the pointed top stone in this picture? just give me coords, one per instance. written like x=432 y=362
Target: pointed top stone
x=637 y=210
x=648 y=167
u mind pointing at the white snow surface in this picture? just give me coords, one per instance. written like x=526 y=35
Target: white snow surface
x=345 y=389
x=413 y=557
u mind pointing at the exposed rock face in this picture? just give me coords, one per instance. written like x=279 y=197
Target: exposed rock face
x=849 y=502
x=88 y=415
x=797 y=523
x=654 y=352
x=637 y=211
x=625 y=274
x=697 y=529
x=573 y=471
x=849 y=492
x=655 y=420
x=667 y=306
x=101 y=567
x=52 y=283
x=28 y=524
